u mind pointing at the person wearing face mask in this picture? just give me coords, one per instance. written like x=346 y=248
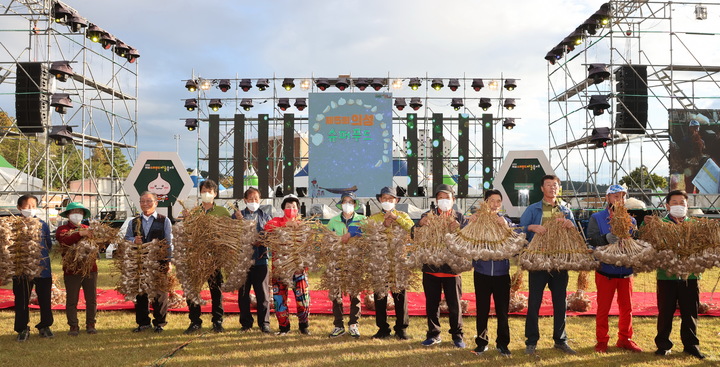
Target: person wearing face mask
x=610 y=279
x=290 y=206
x=259 y=275
x=347 y=225
x=208 y=191
x=673 y=291
x=69 y=235
x=439 y=279
x=22 y=286
x=391 y=217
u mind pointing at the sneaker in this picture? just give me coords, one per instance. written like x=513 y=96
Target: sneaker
x=218 y=328
x=565 y=348
x=459 y=343
x=159 y=329
x=74 y=331
x=282 y=332
x=629 y=345
x=354 y=331
x=530 y=349
x=601 y=347
x=90 y=329
x=381 y=334
x=24 y=335
x=402 y=335
x=480 y=350
x=429 y=342
x=141 y=328
x=662 y=352
x=504 y=351
x=304 y=328
x=337 y=331
x=265 y=330
x=45 y=332
x=695 y=352
x=245 y=329
x=192 y=329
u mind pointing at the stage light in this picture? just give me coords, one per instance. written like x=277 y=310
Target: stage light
x=700 y=12
x=283 y=104
x=246 y=104
x=437 y=84
x=61 y=13
x=415 y=103
x=245 y=85
x=400 y=103
x=477 y=84
x=555 y=54
x=305 y=84
x=485 y=104
x=590 y=25
x=342 y=83
x=224 y=85
x=509 y=123
x=414 y=83
x=261 y=84
x=600 y=136
x=191 y=104
x=322 y=84
x=62 y=135
x=509 y=103
x=598 y=73
x=493 y=85
x=107 y=40
x=397 y=84
x=205 y=84
x=215 y=104
x=456 y=103
x=510 y=84
x=300 y=104
x=191 y=85
x=61 y=70
x=191 y=124
x=362 y=84
x=121 y=48
x=574 y=39
x=76 y=23
x=61 y=102
x=454 y=84
x=94 y=33
x=598 y=104
x=377 y=84
x=288 y=84
x=132 y=55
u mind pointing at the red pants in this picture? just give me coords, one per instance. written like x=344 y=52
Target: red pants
x=606 y=288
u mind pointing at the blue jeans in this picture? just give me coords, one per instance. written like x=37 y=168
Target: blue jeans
x=557 y=281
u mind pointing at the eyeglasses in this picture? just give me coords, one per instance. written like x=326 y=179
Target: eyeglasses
x=147 y=201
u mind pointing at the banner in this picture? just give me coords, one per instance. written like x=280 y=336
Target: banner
x=694 y=153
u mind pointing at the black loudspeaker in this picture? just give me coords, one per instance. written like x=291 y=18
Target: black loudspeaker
x=411 y=150
x=239 y=157
x=288 y=153
x=263 y=141
x=437 y=150
x=463 y=154
x=214 y=148
x=32 y=100
x=632 y=101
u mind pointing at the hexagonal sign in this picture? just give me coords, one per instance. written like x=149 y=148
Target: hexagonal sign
x=163 y=174
x=519 y=179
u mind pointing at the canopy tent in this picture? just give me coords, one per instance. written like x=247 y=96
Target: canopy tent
x=12 y=179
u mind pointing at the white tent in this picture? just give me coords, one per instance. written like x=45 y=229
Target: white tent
x=12 y=179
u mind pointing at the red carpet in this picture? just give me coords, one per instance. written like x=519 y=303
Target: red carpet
x=644 y=303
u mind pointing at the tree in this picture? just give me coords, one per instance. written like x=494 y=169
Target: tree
x=641 y=178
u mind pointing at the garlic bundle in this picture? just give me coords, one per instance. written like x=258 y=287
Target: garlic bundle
x=518 y=301
x=20 y=247
x=388 y=261
x=143 y=269
x=345 y=271
x=628 y=252
x=80 y=257
x=5 y=244
x=559 y=248
x=484 y=238
x=433 y=243
x=296 y=247
x=579 y=301
x=369 y=302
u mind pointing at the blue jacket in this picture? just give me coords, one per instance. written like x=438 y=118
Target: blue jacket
x=598 y=227
x=46 y=243
x=493 y=267
x=534 y=214
x=260 y=253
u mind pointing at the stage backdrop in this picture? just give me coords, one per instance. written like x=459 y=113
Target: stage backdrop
x=350 y=143
x=695 y=151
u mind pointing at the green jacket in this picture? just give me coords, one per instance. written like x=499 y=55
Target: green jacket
x=662 y=274
x=218 y=211
x=403 y=219
x=336 y=224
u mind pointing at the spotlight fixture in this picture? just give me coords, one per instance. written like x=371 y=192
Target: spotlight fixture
x=600 y=136
x=456 y=103
x=377 y=84
x=288 y=84
x=437 y=84
x=454 y=84
x=76 y=23
x=555 y=54
x=262 y=84
x=191 y=124
x=509 y=103
x=700 y=12
x=61 y=70
x=322 y=84
x=61 y=102
x=590 y=26
x=362 y=84
x=224 y=85
x=603 y=15
x=191 y=85
x=510 y=84
x=61 y=13
x=342 y=83
x=485 y=104
x=246 y=85
x=215 y=104
x=477 y=84
x=598 y=73
x=397 y=84
x=300 y=104
x=246 y=104
x=205 y=84
x=94 y=33
x=509 y=123
x=121 y=48
x=414 y=83
x=493 y=85
x=191 y=104
x=305 y=84
x=415 y=103
x=400 y=103
x=62 y=135
x=283 y=104
x=598 y=104
x=132 y=55
x=107 y=40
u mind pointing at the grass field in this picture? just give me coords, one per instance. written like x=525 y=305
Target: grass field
x=115 y=345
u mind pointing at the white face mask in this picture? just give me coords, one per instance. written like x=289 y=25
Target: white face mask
x=444 y=204
x=207 y=197
x=387 y=205
x=348 y=208
x=75 y=218
x=27 y=213
x=252 y=206
x=678 y=211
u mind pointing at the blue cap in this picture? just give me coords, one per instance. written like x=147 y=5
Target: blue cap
x=694 y=123
x=615 y=189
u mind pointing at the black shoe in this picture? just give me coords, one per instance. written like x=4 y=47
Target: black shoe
x=382 y=334
x=24 y=335
x=141 y=328
x=218 y=328
x=304 y=328
x=159 y=329
x=265 y=330
x=402 y=335
x=245 y=329
x=478 y=351
x=695 y=352
x=45 y=332
x=504 y=351
x=662 y=352
x=193 y=328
